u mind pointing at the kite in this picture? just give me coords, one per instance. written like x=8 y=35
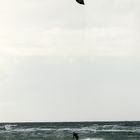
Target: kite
x=80 y=1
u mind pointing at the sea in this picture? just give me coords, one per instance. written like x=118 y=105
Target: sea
x=64 y=131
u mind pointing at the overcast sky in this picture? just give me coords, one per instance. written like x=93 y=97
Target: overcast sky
x=62 y=61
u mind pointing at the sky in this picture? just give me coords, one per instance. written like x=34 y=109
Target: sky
x=62 y=61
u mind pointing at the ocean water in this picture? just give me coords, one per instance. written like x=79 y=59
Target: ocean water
x=63 y=131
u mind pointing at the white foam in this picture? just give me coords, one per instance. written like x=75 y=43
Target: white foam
x=8 y=127
x=92 y=139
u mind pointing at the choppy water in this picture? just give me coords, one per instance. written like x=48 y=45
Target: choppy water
x=63 y=131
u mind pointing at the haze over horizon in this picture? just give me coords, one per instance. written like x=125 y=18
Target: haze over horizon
x=61 y=61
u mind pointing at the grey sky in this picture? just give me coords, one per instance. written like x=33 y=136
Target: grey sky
x=61 y=61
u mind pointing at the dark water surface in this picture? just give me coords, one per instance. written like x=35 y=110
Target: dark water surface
x=63 y=131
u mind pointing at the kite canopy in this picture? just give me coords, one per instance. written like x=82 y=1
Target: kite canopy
x=80 y=1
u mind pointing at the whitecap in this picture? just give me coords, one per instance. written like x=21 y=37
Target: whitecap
x=93 y=139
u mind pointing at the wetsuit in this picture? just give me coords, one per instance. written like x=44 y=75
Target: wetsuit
x=75 y=135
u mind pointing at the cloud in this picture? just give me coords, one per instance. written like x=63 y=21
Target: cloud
x=53 y=53
x=101 y=28
x=111 y=42
x=98 y=85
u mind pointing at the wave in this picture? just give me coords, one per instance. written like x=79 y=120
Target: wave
x=92 y=139
x=92 y=128
x=65 y=131
x=59 y=131
x=9 y=126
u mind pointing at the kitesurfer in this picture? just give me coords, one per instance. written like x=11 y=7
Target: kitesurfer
x=75 y=135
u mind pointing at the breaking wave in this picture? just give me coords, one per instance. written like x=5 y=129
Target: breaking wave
x=60 y=131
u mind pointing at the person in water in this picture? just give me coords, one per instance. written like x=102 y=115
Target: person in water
x=75 y=135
